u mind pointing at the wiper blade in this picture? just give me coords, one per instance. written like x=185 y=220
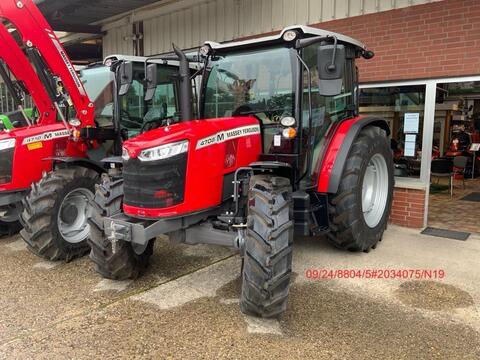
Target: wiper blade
x=253 y=112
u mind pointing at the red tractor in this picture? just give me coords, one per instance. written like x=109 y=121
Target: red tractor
x=50 y=165
x=281 y=151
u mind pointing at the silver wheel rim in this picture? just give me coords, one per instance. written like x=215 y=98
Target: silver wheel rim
x=375 y=190
x=73 y=215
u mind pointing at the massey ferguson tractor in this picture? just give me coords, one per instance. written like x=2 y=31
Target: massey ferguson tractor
x=50 y=165
x=281 y=151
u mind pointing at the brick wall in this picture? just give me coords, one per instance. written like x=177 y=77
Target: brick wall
x=439 y=39
x=408 y=207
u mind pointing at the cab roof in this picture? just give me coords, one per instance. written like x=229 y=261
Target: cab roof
x=305 y=32
x=142 y=59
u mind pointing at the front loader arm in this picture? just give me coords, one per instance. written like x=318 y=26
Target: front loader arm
x=21 y=68
x=37 y=35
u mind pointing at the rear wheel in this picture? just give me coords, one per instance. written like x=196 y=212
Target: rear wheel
x=55 y=213
x=122 y=260
x=359 y=211
x=267 y=262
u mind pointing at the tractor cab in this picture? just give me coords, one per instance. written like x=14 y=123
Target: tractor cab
x=298 y=84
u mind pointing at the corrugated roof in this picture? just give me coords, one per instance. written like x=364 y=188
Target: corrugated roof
x=83 y=12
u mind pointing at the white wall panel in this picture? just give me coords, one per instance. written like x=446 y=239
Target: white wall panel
x=190 y=22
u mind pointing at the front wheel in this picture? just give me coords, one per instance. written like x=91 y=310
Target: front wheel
x=359 y=211
x=55 y=213
x=267 y=260
x=122 y=260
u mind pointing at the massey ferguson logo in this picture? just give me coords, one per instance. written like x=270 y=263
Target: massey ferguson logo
x=223 y=136
x=46 y=136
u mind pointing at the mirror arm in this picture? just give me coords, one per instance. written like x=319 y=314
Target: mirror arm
x=332 y=66
x=302 y=43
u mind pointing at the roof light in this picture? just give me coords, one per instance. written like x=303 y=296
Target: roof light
x=290 y=35
x=205 y=50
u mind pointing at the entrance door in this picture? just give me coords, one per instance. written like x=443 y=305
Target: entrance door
x=454 y=200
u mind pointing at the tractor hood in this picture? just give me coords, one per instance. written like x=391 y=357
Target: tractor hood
x=182 y=168
x=199 y=133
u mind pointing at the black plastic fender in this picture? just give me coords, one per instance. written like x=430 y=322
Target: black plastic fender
x=84 y=162
x=277 y=167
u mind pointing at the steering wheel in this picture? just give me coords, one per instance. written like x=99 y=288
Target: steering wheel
x=125 y=118
x=153 y=124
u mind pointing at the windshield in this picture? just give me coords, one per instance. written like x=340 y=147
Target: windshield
x=135 y=112
x=98 y=83
x=261 y=81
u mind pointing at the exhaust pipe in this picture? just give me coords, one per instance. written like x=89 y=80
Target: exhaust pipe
x=186 y=96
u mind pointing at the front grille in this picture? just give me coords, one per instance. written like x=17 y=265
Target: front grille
x=6 y=161
x=155 y=184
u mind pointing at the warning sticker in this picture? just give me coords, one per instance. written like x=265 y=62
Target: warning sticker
x=46 y=136
x=225 y=135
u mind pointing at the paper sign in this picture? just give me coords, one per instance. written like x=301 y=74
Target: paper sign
x=475 y=147
x=410 y=141
x=277 y=140
x=410 y=138
x=411 y=122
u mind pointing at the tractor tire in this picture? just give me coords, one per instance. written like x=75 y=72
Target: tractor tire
x=9 y=228
x=359 y=211
x=267 y=262
x=55 y=213
x=119 y=261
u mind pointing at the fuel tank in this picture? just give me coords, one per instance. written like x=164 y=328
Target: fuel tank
x=192 y=178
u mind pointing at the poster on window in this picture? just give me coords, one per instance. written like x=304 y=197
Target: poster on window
x=411 y=122
x=410 y=141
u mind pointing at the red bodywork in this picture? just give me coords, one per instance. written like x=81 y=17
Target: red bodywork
x=206 y=167
x=12 y=55
x=36 y=32
x=335 y=138
x=31 y=155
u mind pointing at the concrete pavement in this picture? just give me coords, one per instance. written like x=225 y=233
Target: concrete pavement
x=186 y=306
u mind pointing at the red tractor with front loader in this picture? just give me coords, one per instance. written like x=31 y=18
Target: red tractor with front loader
x=50 y=164
x=281 y=151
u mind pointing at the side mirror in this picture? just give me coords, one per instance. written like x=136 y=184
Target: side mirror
x=151 y=79
x=125 y=77
x=331 y=66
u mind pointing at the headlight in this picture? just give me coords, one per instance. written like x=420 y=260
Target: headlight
x=164 y=151
x=7 y=144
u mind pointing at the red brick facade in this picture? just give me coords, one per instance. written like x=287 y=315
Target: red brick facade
x=440 y=39
x=408 y=207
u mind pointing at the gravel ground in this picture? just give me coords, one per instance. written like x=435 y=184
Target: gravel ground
x=186 y=306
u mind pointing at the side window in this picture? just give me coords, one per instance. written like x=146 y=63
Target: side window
x=132 y=102
x=165 y=99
